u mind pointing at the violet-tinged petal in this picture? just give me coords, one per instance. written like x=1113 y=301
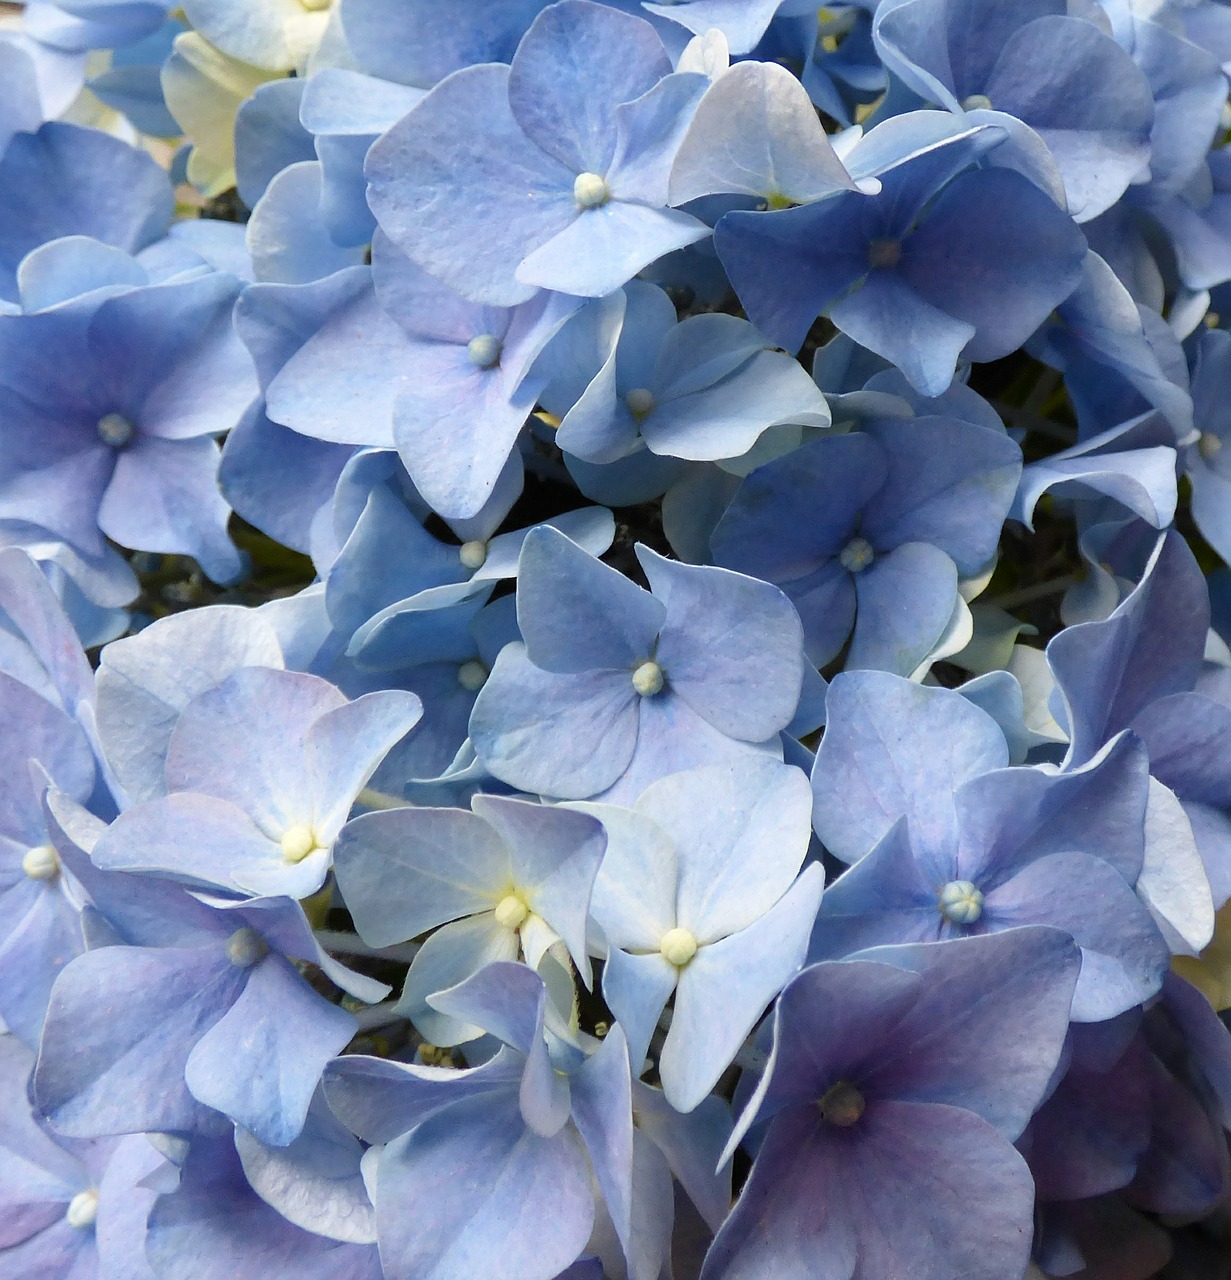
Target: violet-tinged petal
x=949 y=483
x=314 y=1181
x=454 y=953
x=731 y=646
x=258 y=713
x=570 y=736
x=904 y=601
x=726 y=986
x=507 y=1000
x=1123 y=955
x=261 y=1061
x=692 y=1145
x=965 y=1039
x=205 y=841
x=564 y=86
x=163 y=496
x=1151 y=646
x=893 y=749
x=602 y=1111
x=672 y=738
x=405 y=871
x=141 y=694
x=480 y=1177
x=215 y=1227
x=894 y=1195
x=778 y=149
x=350 y=357
x=889 y=896
x=608 y=621
x=1008 y=816
x=380 y=1099
x=515 y=195
x=648 y=134
x=121 y=1024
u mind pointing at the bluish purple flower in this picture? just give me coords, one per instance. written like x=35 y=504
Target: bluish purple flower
x=616 y=686
x=895 y=1087
x=549 y=173
x=946 y=261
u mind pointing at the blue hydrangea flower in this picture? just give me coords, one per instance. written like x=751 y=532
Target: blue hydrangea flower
x=64 y=180
x=517 y=884
x=561 y=161
x=552 y=1119
x=616 y=686
x=1063 y=76
x=981 y=851
x=189 y=1010
x=945 y=261
x=868 y=533
x=70 y=1208
x=213 y=1226
x=111 y=399
x=698 y=896
x=261 y=773
x=625 y=372
x=903 y=1070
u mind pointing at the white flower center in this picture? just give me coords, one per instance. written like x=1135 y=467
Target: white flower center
x=590 y=191
x=82 y=1209
x=977 y=102
x=960 y=902
x=472 y=676
x=641 y=402
x=512 y=911
x=1209 y=446
x=473 y=555
x=648 y=679
x=678 y=947
x=842 y=1105
x=41 y=863
x=857 y=555
x=298 y=842
x=245 y=947
x=484 y=351
x=115 y=429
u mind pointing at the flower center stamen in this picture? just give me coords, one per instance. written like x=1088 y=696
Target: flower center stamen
x=245 y=947
x=648 y=679
x=41 y=863
x=678 y=947
x=590 y=191
x=960 y=902
x=472 y=676
x=641 y=402
x=512 y=911
x=298 y=842
x=884 y=253
x=856 y=555
x=114 y=429
x=484 y=351
x=82 y=1210
x=842 y=1105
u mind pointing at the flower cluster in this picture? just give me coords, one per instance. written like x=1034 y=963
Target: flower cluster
x=615 y=659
